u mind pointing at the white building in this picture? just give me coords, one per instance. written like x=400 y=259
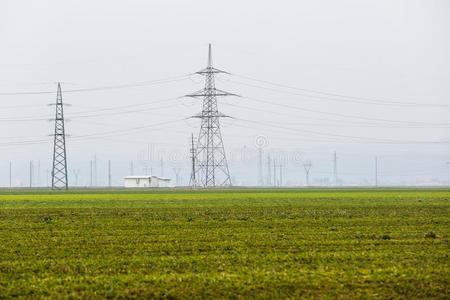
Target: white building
x=146 y=182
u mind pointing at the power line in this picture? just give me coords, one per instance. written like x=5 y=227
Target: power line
x=92 y=135
x=102 y=88
x=123 y=131
x=344 y=115
x=80 y=114
x=376 y=140
x=345 y=123
x=364 y=100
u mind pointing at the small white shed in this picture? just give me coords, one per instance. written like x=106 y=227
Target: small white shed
x=146 y=182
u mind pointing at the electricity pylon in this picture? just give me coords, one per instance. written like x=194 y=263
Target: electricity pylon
x=211 y=168
x=307 y=166
x=193 y=181
x=59 y=171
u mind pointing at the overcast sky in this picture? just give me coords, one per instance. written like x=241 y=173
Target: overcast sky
x=288 y=60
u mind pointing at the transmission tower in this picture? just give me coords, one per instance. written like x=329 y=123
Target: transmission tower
x=59 y=171
x=177 y=175
x=76 y=172
x=211 y=164
x=307 y=166
x=193 y=181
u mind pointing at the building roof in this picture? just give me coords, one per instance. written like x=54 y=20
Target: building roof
x=137 y=177
x=145 y=177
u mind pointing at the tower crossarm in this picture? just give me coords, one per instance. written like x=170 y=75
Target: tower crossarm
x=214 y=115
x=211 y=92
x=210 y=70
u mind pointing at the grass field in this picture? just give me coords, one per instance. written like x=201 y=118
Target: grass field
x=286 y=243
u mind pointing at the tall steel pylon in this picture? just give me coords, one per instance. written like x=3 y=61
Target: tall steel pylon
x=59 y=171
x=211 y=164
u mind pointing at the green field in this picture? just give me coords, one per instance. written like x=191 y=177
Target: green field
x=267 y=243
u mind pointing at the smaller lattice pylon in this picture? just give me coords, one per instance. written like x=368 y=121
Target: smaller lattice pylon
x=193 y=180
x=59 y=170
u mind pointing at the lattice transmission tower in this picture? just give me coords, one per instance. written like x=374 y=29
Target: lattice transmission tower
x=211 y=168
x=59 y=170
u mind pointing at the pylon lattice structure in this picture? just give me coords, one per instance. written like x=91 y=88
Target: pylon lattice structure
x=59 y=170
x=211 y=168
x=193 y=181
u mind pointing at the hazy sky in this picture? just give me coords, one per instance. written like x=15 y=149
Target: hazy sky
x=390 y=58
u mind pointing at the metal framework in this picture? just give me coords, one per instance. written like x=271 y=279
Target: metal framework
x=211 y=168
x=193 y=181
x=59 y=170
x=307 y=165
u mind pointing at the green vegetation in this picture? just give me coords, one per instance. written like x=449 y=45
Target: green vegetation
x=248 y=243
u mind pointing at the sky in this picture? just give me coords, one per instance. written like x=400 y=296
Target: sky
x=362 y=78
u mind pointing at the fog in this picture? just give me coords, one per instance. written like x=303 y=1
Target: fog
x=363 y=78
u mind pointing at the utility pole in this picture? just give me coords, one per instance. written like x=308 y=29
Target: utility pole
x=91 y=170
x=75 y=173
x=109 y=173
x=274 y=173
x=10 y=174
x=39 y=173
x=260 y=171
x=335 y=169
x=281 y=175
x=193 y=180
x=59 y=170
x=31 y=173
x=376 y=171
x=307 y=166
x=95 y=170
x=212 y=168
x=278 y=181
x=448 y=163
x=269 y=170
x=177 y=175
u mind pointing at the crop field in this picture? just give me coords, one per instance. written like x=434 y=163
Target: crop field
x=237 y=243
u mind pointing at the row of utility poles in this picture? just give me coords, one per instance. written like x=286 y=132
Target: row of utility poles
x=32 y=172
x=277 y=178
